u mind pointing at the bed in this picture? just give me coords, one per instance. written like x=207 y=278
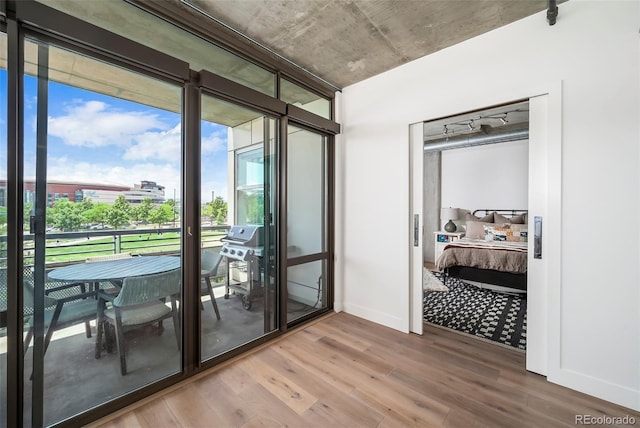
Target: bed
x=493 y=251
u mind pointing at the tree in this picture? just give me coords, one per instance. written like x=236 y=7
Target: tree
x=141 y=212
x=118 y=214
x=216 y=210
x=221 y=217
x=87 y=204
x=97 y=213
x=27 y=207
x=65 y=215
x=172 y=204
x=161 y=214
x=255 y=208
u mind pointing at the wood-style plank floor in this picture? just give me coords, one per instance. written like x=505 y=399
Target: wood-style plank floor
x=347 y=372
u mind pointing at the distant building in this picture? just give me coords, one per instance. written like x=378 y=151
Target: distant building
x=78 y=192
x=135 y=195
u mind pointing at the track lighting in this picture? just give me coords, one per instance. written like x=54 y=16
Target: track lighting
x=477 y=122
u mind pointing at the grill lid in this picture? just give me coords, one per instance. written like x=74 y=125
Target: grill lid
x=247 y=236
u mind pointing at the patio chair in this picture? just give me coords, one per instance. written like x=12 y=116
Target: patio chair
x=209 y=263
x=60 y=312
x=141 y=301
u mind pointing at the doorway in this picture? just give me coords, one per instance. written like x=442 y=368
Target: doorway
x=539 y=201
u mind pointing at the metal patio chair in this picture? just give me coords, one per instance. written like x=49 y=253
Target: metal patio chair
x=60 y=312
x=140 y=302
x=209 y=264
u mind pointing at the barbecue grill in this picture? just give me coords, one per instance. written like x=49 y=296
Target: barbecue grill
x=244 y=244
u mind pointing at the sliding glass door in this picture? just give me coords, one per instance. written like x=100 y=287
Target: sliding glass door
x=307 y=223
x=238 y=288
x=102 y=244
x=3 y=230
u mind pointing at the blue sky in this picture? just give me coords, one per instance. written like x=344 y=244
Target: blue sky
x=100 y=139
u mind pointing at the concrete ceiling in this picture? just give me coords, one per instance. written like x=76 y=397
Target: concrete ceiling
x=346 y=41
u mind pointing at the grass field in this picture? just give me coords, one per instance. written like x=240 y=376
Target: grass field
x=60 y=251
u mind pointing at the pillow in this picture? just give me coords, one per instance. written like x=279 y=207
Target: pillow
x=499 y=218
x=497 y=232
x=518 y=219
x=506 y=232
x=486 y=219
x=431 y=283
x=475 y=229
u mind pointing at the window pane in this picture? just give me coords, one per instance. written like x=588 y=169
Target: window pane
x=3 y=229
x=108 y=247
x=306 y=289
x=238 y=291
x=305 y=99
x=306 y=188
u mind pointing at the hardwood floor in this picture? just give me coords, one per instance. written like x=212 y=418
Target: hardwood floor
x=347 y=372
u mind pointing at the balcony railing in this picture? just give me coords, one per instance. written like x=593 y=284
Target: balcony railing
x=72 y=247
x=75 y=247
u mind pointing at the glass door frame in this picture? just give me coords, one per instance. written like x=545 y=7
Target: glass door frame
x=218 y=87
x=300 y=119
x=174 y=74
x=50 y=26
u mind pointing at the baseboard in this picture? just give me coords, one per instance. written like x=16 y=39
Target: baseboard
x=608 y=391
x=378 y=317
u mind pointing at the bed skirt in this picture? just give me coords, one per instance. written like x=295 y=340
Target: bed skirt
x=516 y=281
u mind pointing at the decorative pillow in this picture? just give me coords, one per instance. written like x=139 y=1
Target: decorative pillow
x=506 y=232
x=499 y=218
x=498 y=232
x=518 y=219
x=517 y=228
x=431 y=283
x=486 y=219
x=475 y=229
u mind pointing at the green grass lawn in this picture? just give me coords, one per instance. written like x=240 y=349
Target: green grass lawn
x=59 y=251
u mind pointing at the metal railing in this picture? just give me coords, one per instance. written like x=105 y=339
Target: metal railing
x=75 y=247
x=72 y=247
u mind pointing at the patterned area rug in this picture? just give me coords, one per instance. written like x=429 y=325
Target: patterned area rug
x=484 y=313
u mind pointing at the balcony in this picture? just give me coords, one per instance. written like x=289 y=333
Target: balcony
x=74 y=379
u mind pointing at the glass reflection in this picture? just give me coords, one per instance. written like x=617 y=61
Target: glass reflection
x=102 y=281
x=237 y=257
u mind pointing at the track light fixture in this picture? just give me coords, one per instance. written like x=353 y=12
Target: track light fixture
x=471 y=124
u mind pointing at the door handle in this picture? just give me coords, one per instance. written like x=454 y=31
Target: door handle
x=416 y=230
x=537 y=237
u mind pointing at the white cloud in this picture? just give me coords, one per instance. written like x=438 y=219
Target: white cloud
x=214 y=142
x=166 y=144
x=156 y=145
x=96 y=124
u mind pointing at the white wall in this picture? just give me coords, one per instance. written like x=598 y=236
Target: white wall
x=493 y=177
x=594 y=50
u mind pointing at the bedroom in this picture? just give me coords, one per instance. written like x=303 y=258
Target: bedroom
x=477 y=163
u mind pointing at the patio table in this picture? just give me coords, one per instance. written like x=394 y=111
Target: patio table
x=114 y=271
